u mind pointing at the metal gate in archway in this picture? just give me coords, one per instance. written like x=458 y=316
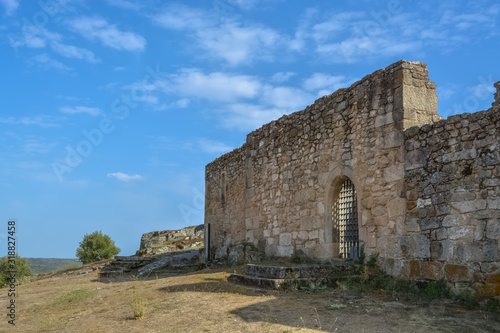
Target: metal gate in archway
x=345 y=217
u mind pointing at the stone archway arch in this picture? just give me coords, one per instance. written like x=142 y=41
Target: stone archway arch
x=335 y=182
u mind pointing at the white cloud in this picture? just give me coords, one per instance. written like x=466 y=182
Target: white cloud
x=211 y=146
x=287 y=98
x=46 y=62
x=182 y=103
x=40 y=120
x=247 y=101
x=238 y=44
x=125 y=4
x=179 y=104
x=249 y=116
x=281 y=77
x=124 y=177
x=39 y=37
x=38 y=146
x=324 y=84
x=215 y=86
x=70 y=51
x=10 y=6
x=245 y=4
x=354 y=36
x=94 y=28
x=81 y=109
x=196 y=145
x=227 y=39
x=180 y=17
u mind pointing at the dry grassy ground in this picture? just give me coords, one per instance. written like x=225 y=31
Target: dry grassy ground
x=206 y=302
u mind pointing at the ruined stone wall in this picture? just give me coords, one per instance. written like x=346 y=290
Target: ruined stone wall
x=279 y=186
x=225 y=204
x=453 y=210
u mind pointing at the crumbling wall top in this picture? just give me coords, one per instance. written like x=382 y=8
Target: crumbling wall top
x=497 y=95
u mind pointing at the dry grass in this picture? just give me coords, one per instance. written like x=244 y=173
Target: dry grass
x=206 y=302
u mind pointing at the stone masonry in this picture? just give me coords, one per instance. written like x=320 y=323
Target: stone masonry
x=428 y=190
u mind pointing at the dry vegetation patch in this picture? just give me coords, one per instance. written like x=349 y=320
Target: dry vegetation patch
x=205 y=302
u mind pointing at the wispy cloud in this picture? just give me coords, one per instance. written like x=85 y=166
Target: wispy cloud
x=219 y=86
x=350 y=37
x=36 y=145
x=123 y=177
x=281 y=77
x=126 y=4
x=40 y=37
x=95 y=28
x=323 y=84
x=10 y=6
x=212 y=146
x=81 y=109
x=249 y=4
x=241 y=101
x=44 y=61
x=196 y=145
x=75 y=52
x=39 y=120
x=233 y=41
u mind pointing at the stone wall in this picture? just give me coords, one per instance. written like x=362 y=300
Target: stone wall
x=428 y=190
x=276 y=191
x=453 y=190
x=158 y=242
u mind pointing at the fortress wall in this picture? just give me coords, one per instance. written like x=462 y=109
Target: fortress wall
x=453 y=191
x=281 y=183
x=225 y=193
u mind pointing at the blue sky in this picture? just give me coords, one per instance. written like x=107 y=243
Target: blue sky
x=110 y=110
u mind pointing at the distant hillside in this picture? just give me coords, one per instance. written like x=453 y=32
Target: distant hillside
x=46 y=265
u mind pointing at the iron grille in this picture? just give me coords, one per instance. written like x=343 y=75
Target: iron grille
x=346 y=218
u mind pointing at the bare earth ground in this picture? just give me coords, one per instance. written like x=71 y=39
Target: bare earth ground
x=205 y=302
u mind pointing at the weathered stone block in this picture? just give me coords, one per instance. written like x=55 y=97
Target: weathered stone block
x=469 y=206
x=285 y=251
x=453 y=220
x=431 y=270
x=285 y=239
x=456 y=272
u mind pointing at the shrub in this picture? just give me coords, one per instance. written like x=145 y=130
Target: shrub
x=95 y=247
x=22 y=268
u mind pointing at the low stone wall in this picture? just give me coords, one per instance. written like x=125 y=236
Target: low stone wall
x=158 y=242
x=452 y=224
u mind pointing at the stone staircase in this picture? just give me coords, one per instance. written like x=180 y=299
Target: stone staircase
x=124 y=264
x=295 y=276
x=171 y=262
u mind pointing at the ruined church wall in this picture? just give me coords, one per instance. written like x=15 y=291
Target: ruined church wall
x=453 y=210
x=280 y=183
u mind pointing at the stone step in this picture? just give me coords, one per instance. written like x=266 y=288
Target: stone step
x=108 y=273
x=295 y=272
x=132 y=258
x=277 y=284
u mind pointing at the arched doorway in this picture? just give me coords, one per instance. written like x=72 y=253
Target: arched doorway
x=345 y=219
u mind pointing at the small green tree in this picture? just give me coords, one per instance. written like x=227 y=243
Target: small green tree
x=95 y=247
x=20 y=266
